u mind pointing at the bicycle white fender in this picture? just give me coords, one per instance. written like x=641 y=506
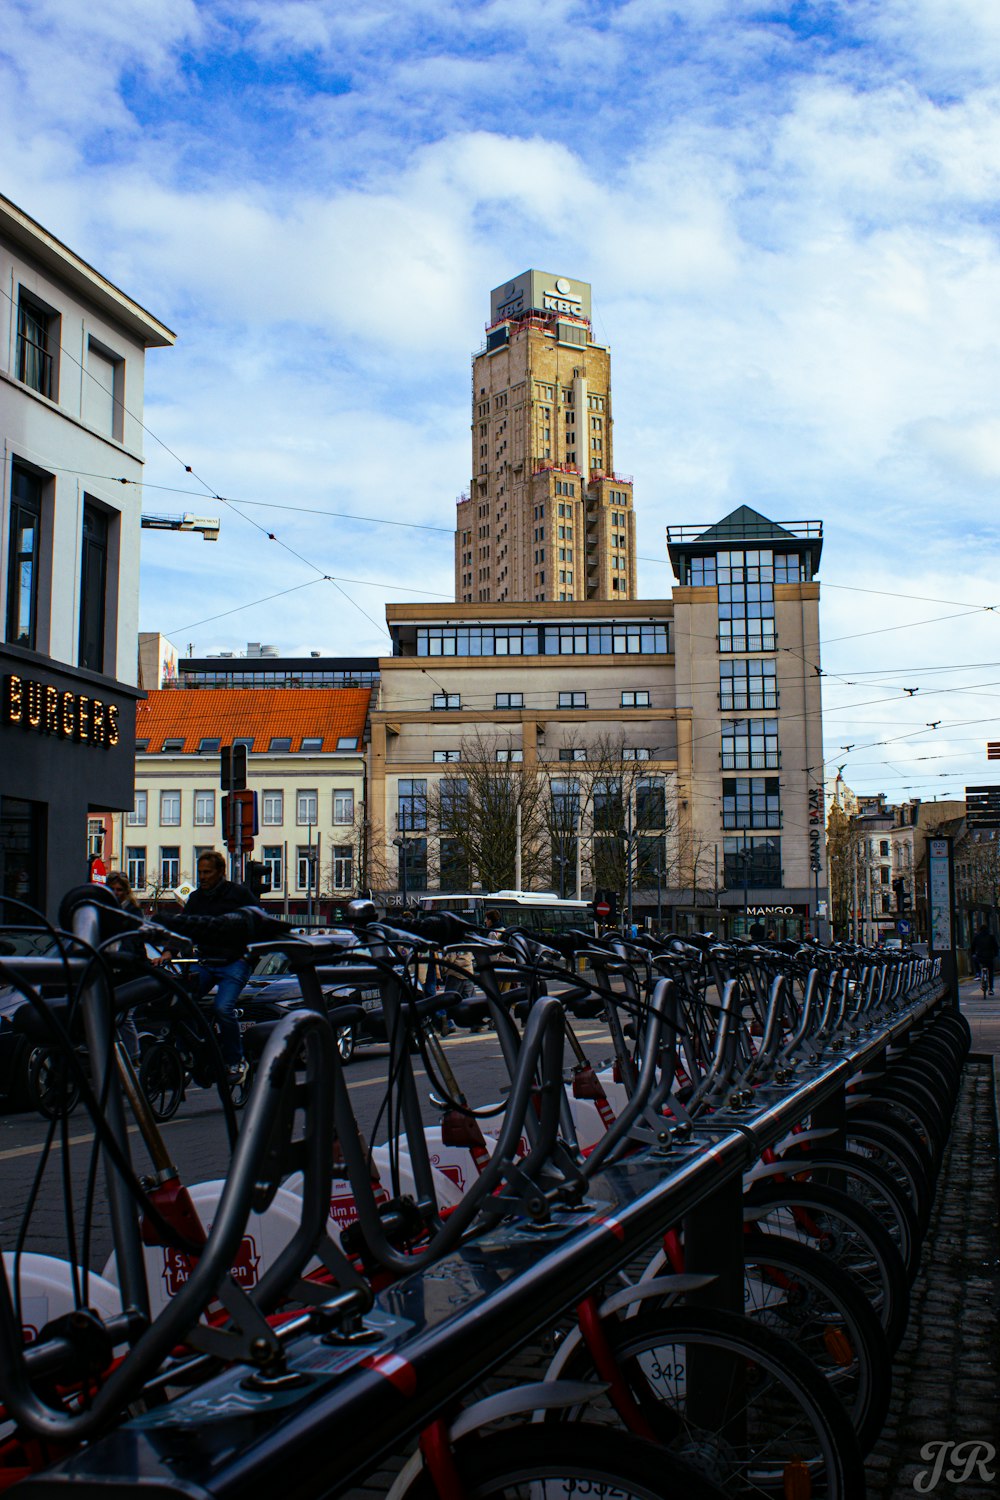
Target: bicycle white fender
x=264 y=1238
x=446 y=1189
x=664 y=1288
x=538 y=1396
x=587 y=1122
x=46 y=1286
x=775 y=1169
x=799 y=1137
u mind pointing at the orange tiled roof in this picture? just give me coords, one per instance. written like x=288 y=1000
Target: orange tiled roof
x=263 y=714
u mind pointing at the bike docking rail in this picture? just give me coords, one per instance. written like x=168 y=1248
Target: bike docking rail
x=348 y=1395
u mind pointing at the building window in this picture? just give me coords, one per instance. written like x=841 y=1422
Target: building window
x=170 y=867
x=515 y=756
x=883 y=848
x=635 y=698
x=443 y=757
x=306 y=858
x=135 y=866
x=347 y=742
x=573 y=753
x=172 y=745
x=23 y=557
x=93 y=587
x=412 y=865
x=170 y=809
x=209 y=747
x=751 y=802
x=272 y=859
x=650 y=802
x=751 y=863
x=453 y=867
x=446 y=700
x=343 y=867
x=197 y=853
x=306 y=809
x=637 y=752
x=343 y=806
x=313 y=743
x=37 y=347
x=104 y=391
x=280 y=745
x=609 y=814
x=747 y=684
x=750 y=745
x=510 y=700
x=272 y=809
x=204 y=809
x=411 y=810
x=95 y=837
x=572 y=700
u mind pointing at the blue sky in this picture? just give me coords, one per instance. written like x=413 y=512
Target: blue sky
x=788 y=215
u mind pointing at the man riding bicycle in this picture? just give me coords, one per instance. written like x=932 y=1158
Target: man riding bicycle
x=222 y=964
x=984 y=952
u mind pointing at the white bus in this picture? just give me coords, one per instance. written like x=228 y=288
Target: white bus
x=539 y=911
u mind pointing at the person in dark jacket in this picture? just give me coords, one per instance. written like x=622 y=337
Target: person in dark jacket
x=222 y=965
x=984 y=952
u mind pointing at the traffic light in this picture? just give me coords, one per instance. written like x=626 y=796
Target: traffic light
x=338 y=914
x=258 y=877
x=902 y=895
x=234 y=768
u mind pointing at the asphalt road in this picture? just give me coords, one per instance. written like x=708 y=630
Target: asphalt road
x=196 y=1139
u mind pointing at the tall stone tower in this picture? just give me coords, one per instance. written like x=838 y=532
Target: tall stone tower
x=547 y=517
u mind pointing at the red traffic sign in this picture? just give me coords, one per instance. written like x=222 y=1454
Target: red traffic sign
x=602 y=909
x=98 y=871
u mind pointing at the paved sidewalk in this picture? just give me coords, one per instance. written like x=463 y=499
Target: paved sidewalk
x=945 y=1378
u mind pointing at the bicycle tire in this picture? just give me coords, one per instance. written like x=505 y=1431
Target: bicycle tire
x=891 y=1150
x=161 y=1077
x=901 y=1115
x=869 y=1184
x=49 y=1085
x=534 y=1462
x=820 y=1310
x=786 y=1421
x=919 y=1100
x=844 y=1230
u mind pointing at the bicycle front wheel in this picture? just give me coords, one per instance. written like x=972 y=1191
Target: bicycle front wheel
x=735 y=1401
x=161 y=1078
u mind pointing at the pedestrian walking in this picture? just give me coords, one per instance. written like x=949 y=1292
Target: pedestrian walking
x=222 y=962
x=133 y=945
x=984 y=952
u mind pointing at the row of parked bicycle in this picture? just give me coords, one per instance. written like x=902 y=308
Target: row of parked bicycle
x=710 y=1226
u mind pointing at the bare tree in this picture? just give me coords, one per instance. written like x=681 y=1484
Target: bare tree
x=843 y=843
x=621 y=811
x=475 y=811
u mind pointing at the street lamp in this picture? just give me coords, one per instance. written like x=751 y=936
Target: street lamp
x=400 y=843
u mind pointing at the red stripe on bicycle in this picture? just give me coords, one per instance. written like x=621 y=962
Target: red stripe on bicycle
x=616 y=1227
x=397 y=1370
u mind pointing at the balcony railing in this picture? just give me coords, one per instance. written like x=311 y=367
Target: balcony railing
x=738 y=700
x=750 y=760
x=762 y=641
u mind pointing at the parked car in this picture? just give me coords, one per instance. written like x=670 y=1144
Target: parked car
x=272 y=990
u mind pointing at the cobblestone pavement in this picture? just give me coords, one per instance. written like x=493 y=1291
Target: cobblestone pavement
x=945 y=1385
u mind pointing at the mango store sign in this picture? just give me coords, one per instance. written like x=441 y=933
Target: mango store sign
x=41 y=708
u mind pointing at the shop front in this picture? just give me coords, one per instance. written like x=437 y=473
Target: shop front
x=67 y=750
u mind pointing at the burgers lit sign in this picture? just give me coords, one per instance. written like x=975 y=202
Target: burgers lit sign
x=41 y=708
